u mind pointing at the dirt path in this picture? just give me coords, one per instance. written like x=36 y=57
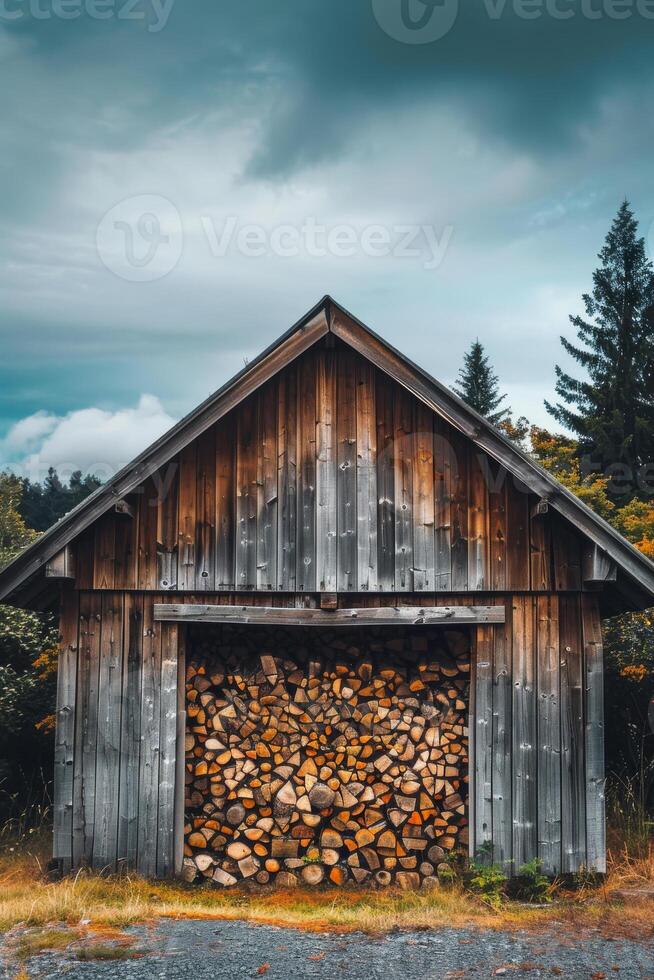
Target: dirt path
x=199 y=950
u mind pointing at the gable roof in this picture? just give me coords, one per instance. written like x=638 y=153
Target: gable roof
x=328 y=316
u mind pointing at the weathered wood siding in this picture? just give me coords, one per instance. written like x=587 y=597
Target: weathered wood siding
x=538 y=757
x=330 y=477
x=116 y=742
x=536 y=772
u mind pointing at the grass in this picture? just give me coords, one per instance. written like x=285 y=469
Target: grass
x=83 y=916
x=34 y=941
x=113 y=903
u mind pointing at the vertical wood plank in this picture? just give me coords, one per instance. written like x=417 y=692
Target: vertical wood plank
x=267 y=490
x=403 y=458
x=205 y=531
x=549 y=736
x=167 y=530
x=525 y=831
x=126 y=548
x=478 y=523
x=147 y=535
x=108 y=755
x=130 y=738
x=168 y=754
x=540 y=541
x=423 y=501
x=84 y=559
x=346 y=473
x=86 y=727
x=502 y=733
x=497 y=533
x=459 y=511
x=567 y=556
x=104 y=565
x=483 y=741
x=366 y=478
x=306 y=490
x=517 y=535
x=180 y=755
x=287 y=480
x=150 y=743
x=573 y=790
x=225 y=504
x=385 y=485
x=326 y=543
x=187 y=510
x=246 y=494
x=594 y=729
x=442 y=500
x=65 y=729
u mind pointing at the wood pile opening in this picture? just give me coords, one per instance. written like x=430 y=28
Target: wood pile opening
x=324 y=756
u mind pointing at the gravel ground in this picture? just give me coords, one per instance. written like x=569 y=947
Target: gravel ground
x=200 y=949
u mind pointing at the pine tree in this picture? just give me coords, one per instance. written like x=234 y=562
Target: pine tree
x=612 y=410
x=478 y=385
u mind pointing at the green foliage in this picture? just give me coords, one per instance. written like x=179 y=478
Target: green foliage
x=14 y=533
x=488 y=881
x=27 y=673
x=611 y=408
x=531 y=885
x=478 y=385
x=42 y=504
x=517 y=431
x=559 y=455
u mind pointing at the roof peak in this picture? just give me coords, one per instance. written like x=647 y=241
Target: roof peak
x=328 y=316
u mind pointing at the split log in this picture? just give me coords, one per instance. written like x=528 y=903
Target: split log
x=348 y=760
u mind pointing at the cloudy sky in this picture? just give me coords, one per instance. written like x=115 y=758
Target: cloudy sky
x=181 y=179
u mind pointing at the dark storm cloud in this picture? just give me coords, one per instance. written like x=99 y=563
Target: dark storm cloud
x=528 y=77
x=518 y=130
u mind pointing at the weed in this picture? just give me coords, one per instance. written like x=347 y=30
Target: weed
x=531 y=885
x=488 y=881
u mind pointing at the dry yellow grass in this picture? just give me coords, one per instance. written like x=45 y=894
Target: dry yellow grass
x=116 y=902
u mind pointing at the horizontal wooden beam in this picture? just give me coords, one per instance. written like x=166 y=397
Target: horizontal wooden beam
x=382 y=616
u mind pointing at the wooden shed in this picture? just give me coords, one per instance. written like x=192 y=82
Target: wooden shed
x=331 y=626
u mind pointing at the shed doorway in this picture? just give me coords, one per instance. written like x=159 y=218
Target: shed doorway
x=325 y=755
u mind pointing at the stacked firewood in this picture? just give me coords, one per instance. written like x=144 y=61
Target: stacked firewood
x=322 y=756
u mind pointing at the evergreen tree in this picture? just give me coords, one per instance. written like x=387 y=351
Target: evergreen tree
x=612 y=410
x=478 y=385
x=42 y=504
